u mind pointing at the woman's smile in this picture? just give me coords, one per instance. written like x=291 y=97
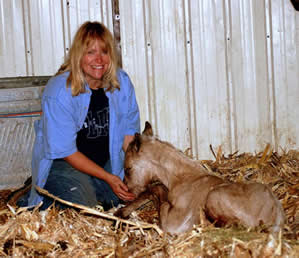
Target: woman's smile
x=95 y=63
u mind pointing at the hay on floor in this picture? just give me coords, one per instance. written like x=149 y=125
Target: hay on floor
x=91 y=232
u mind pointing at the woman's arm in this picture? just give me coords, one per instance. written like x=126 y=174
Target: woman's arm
x=127 y=140
x=80 y=162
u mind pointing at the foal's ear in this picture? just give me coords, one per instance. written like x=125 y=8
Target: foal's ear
x=148 y=130
x=136 y=142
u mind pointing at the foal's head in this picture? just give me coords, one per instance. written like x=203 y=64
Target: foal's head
x=141 y=160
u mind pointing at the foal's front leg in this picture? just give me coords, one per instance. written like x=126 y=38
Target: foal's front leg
x=156 y=193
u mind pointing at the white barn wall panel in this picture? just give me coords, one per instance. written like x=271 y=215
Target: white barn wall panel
x=19 y=104
x=76 y=12
x=210 y=79
x=35 y=35
x=16 y=142
x=44 y=37
x=12 y=43
x=154 y=54
x=221 y=72
x=285 y=73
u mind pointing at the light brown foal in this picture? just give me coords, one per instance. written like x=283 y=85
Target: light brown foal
x=188 y=189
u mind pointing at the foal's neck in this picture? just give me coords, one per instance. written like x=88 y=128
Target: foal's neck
x=175 y=166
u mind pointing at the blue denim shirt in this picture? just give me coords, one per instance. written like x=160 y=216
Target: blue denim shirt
x=64 y=115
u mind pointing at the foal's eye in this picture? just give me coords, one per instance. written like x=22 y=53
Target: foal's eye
x=127 y=171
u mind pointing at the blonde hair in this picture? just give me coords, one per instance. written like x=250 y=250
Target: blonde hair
x=88 y=32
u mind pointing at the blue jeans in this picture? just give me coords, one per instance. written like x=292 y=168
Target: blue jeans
x=72 y=185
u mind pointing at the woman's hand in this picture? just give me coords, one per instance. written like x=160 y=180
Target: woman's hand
x=85 y=165
x=119 y=188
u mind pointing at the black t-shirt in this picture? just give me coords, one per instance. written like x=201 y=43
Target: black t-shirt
x=93 y=138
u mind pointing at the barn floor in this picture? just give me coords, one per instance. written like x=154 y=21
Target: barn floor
x=93 y=233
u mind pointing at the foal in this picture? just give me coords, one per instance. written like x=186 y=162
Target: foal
x=192 y=189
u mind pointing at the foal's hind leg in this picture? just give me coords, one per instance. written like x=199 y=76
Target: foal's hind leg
x=156 y=193
x=246 y=204
x=176 y=220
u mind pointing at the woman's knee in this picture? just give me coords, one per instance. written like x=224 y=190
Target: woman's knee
x=71 y=185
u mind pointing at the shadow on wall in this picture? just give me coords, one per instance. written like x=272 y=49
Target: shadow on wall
x=295 y=4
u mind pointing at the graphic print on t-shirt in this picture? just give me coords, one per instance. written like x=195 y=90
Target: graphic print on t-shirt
x=93 y=138
x=98 y=125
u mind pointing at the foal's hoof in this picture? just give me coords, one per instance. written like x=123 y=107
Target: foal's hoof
x=122 y=213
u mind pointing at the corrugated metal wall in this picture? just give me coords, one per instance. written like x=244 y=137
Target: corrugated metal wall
x=35 y=35
x=220 y=72
x=19 y=106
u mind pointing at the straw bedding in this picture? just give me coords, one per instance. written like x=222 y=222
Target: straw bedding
x=81 y=231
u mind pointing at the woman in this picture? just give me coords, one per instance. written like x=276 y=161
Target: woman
x=90 y=115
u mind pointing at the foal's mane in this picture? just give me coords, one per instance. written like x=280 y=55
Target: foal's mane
x=175 y=151
x=178 y=162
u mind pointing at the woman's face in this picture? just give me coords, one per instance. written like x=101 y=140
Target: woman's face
x=95 y=62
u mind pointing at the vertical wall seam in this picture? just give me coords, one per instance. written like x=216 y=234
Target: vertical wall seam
x=52 y=30
x=63 y=28
x=102 y=13
x=233 y=143
x=270 y=70
x=68 y=19
x=192 y=121
x=150 y=65
x=25 y=41
x=147 y=68
x=30 y=38
x=202 y=58
x=2 y=30
x=116 y=28
x=12 y=43
x=285 y=72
